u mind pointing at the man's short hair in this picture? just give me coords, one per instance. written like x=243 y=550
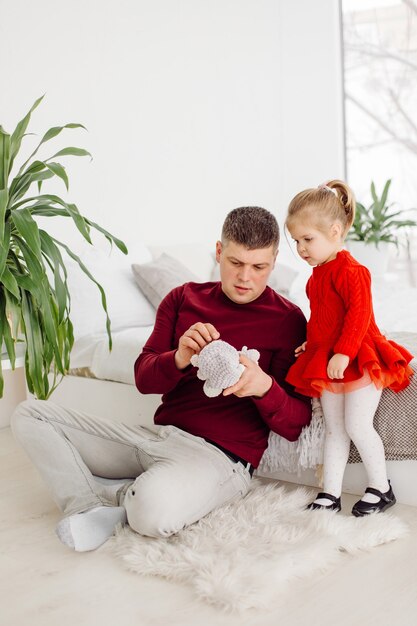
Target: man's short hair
x=251 y=227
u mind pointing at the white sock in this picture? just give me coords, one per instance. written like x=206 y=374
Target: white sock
x=87 y=531
x=371 y=498
x=324 y=501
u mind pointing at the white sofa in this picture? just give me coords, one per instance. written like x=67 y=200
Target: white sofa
x=102 y=383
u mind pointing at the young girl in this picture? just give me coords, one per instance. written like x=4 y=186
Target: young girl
x=346 y=361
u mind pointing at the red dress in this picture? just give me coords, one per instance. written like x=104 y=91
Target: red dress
x=342 y=321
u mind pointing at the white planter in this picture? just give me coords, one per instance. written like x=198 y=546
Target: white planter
x=376 y=259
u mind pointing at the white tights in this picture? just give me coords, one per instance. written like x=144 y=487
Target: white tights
x=350 y=417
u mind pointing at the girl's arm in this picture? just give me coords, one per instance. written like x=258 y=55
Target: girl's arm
x=354 y=287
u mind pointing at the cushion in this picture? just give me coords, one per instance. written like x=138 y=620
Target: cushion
x=126 y=304
x=281 y=278
x=199 y=256
x=158 y=278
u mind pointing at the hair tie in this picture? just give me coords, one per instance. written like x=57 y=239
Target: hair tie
x=326 y=188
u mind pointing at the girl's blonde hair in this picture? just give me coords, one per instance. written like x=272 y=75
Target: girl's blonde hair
x=324 y=205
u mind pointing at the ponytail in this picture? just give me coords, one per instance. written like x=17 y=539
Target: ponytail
x=346 y=198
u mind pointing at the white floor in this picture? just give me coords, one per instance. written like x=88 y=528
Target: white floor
x=42 y=583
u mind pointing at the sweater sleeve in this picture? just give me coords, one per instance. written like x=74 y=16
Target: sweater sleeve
x=284 y=411
x=354 y=287
x=155 y=369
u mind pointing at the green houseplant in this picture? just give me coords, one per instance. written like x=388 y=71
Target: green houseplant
x=378 y=222
x=374 y=229
x=35 y=302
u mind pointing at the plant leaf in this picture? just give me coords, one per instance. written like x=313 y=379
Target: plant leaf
x=19 y=133
x=28 y=229
x=21 y=184
x=53 y=132
x=385 y=192
x=48 y=211
x=4 y=174
x=4 y=157
x=73 y=212
x=10 y=283
x=70 y=152
x=39 y=199
x=5 y=332
x=373 y=192
x=51 y=250
x=4 y=201
x=59 y=171
x=50 y=134
x=91 y=277
x=43 y=299
x=4 y=248
x=34 y=346
x=111 y=238
x=13 y=312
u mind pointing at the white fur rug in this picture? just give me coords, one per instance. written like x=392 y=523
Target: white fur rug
x=241 y=555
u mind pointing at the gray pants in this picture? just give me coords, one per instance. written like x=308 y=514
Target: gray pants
x=165 y=480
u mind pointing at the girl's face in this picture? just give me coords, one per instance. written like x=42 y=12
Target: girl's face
x=316 y=246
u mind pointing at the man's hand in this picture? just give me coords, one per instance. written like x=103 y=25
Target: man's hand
x=253 y=381
x=193 y=341
x=301 y=349
x=337 y=365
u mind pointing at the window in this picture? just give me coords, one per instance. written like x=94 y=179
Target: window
x=380 y=71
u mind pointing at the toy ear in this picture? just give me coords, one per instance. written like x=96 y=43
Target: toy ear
x=251 y=354
x=194 y=360
x=211 y=392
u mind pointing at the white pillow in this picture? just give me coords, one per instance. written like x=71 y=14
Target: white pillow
x=199 y=257
x=281 y=278
x=158 y=278
x=126 y=305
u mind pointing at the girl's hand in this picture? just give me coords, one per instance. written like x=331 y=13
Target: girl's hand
x=300 y=349
x=337 y=365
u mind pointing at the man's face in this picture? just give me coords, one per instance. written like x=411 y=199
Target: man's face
x=244 y=273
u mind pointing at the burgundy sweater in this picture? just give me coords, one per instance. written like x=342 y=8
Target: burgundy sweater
x=271 y=324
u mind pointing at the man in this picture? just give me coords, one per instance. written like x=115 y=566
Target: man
x=207 y=448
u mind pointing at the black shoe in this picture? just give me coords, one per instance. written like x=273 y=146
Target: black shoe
x=386 y=500
x=335 y=506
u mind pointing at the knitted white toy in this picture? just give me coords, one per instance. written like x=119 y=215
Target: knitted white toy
x=218 y=364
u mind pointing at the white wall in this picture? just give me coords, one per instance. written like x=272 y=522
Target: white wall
x=193 y=107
